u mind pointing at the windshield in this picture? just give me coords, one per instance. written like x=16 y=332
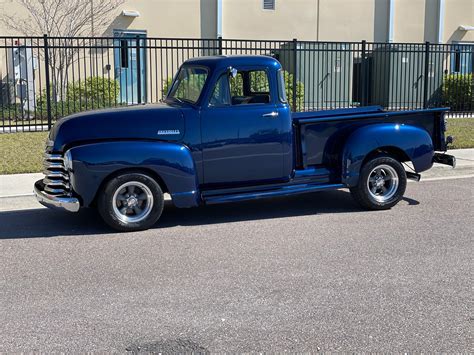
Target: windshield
x=188 y=84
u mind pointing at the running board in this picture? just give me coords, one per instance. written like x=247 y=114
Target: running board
x=282 y=191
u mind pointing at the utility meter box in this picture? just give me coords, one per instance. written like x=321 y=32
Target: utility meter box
x=21 y=76
x=323 y=68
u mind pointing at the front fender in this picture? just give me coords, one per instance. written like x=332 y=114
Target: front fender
x=415 y=142
x=172 y=162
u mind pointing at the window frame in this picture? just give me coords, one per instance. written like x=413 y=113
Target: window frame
x=273 y=93
x=203 y=89
x=281 y=86
x=225 y=75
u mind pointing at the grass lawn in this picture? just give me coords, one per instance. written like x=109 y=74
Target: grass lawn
x=23 y=152
x=462 y=129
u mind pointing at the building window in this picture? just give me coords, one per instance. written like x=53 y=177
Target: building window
x=269 y=4
x=462 y=58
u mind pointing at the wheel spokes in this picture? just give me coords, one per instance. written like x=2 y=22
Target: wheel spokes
x=142 y=196
x=121 y=198
x=131 y=189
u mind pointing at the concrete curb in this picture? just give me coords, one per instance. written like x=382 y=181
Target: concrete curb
x=18 y=185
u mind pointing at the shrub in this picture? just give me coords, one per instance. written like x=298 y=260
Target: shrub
x=100 y=91
x=14 y=112
x=88 y=94
x=289 y=92
x=458 y=91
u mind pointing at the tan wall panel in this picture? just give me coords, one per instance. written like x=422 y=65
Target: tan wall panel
x=458 y=12
x=290 y=19
x=345 y=20
x=160 y=18
x=409 y=20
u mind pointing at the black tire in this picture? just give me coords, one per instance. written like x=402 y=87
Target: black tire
x=387 y=192
x=142 y=208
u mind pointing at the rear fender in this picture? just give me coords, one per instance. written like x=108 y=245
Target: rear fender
x=171 y=162
x=415 y=142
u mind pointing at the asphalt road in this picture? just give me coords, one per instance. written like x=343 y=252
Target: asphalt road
x=298 y=274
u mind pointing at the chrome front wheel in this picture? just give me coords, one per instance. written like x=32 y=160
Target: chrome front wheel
x=133 y=202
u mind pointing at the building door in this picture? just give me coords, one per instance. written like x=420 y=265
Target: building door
x=130 y=65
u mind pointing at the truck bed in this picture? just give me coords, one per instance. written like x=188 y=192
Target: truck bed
x=318 y=134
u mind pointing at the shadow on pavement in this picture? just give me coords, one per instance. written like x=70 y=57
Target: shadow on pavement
x=38 y=223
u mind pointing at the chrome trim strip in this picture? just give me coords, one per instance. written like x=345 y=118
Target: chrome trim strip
x=70 y=204
x=53 y=165
x=55 y=175
x=54 y=191
x=49 y=182
x=53 y=156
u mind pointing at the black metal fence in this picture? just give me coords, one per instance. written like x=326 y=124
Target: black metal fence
x=45 y=78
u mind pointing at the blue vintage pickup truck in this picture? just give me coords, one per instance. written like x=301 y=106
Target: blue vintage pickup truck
x=225 y=133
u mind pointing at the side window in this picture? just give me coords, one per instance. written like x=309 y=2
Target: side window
x=237 y=85
x=250 y=87
x=220 y=95
x=259 y=82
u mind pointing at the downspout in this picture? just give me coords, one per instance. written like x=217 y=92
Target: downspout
x=317 y=20
x=391 y=16
x=441 y=10
x=219 y=18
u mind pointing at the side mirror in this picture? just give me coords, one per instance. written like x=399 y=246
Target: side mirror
x=232 y=72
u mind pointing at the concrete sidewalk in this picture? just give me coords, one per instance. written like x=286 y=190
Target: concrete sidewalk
x=22 y=184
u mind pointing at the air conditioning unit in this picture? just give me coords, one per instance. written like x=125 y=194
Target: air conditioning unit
x=21 y=76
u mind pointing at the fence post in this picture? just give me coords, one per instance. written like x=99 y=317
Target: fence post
x=426 y=74
x=48 y=84
x=219 y=43
x=363 y=75
x=139 y=71
x=295 y=71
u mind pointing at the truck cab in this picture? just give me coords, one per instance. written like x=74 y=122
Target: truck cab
x=224 y=133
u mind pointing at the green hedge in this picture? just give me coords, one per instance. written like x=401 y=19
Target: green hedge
x=458 y=91
x=91 y=93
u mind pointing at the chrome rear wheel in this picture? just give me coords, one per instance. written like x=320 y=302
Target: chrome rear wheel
x=382 y=183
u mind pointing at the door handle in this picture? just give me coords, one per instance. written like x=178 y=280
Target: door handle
x=273 y=114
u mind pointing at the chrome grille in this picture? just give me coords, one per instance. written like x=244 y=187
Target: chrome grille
x=56 y=180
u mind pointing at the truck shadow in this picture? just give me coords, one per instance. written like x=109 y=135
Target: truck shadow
x=41 y=223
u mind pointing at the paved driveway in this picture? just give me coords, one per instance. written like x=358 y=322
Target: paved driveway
x=298 y=274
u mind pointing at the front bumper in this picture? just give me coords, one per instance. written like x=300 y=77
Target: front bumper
x=70 y=204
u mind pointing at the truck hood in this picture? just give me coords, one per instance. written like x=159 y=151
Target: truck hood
x=150 y=122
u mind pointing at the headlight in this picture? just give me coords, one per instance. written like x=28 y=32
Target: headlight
x=68 y=160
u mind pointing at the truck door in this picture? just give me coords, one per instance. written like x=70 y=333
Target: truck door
x=242 y=130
